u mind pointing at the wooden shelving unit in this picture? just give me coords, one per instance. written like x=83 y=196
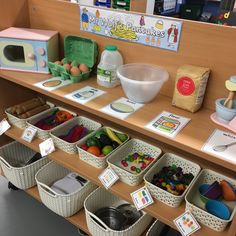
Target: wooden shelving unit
x=197 y=47
x=157 y=210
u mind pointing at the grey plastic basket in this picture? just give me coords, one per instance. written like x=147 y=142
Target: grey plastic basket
x=64 y=205
x=14 y=153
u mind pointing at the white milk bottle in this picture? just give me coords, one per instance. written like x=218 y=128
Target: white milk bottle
x=111 y=59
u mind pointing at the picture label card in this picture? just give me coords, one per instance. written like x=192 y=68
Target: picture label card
x=187 y=224
x=167 y=124
x=142 y=198
x=121 y=108
x=85 y=94
x=52 y=83
x=108 y=177
x=29 y=134
x=46 y=147
x=4 y=126
x=221 y=144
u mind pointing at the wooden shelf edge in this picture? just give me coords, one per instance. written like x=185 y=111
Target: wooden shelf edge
x=78 y=219
x=27 y=80
x=158 y=210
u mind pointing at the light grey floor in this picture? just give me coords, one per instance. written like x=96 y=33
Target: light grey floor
x=21 y=215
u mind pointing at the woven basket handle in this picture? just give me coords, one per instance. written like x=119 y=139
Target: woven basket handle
x=98 y=222
x=5 y=163
x=48 y=190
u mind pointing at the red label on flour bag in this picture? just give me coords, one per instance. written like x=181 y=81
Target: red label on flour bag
x=185 y=86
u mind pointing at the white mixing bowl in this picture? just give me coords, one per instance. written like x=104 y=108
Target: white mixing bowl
x=141 y=82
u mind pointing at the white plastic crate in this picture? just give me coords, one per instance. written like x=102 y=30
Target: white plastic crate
x=64 y=128
x=98 y=162
x=132 y=146
x=197 y=207
x=63 y=204
x=101 y=198
x=22 y=123
x=45 y=134
x=169 y=159
x=14 y=153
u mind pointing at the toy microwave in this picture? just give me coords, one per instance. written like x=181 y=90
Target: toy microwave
x=28 y=49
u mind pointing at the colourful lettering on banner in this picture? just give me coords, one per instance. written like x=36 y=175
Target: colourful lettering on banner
x=149 y=30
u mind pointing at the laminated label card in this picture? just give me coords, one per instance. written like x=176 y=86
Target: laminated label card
x=187 y=224
x=52 y=83
x=141 y=198
x=4 y=126
x=46 y=147
x=221 y=144
x=85 y=94
x=108 y=177
x=122 y=108
x=29 y=133
x=168 y=124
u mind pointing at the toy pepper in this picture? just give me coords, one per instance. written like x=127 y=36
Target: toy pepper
x=58 y=117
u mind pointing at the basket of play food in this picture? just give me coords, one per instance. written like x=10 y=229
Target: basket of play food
x=61 y=190
x=170 y=177
x=107 y=215
x=20 y=113
x=68 y=134
x=48 y=120
x=80 y=57
x=20 y=164
x=133 y=160
x=212 y=199
x=96 y=147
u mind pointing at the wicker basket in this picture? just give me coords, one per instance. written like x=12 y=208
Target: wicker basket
x=21 y=123
x=45 y=134
x=98 y=162
x=64 y=128
x=64 y=205
x=169 y=159
x=133 y=145
x=155 y=228
x=197 y=207
x=15 y=153
x=102 y=198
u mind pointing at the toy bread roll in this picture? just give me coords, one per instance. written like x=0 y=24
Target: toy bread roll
x=26 y=102
x=30 y=106
x=34 y=111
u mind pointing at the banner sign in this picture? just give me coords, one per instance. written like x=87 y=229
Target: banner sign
x=137 y=28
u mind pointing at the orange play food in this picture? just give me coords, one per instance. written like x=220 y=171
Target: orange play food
x=94 y=150
x=228 y=191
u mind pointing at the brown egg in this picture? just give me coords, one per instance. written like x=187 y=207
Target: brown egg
x=67 y=67
x=75 y=71
x=83 y=68
x=58 y=62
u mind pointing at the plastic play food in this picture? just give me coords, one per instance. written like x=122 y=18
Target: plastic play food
x=56 y=118
x=53 y=83
x=67 y=67
x=202 y=189
x=136 y=162
x=172 y=179
x=141 y=82
x=75 y=71
x=83 y=68
x=218 y=209
x=94 y=150
x=75 y=133
x=105 y=140
x=228 y=191
x=107 y=149
x=213 y=191
x=122 y=107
